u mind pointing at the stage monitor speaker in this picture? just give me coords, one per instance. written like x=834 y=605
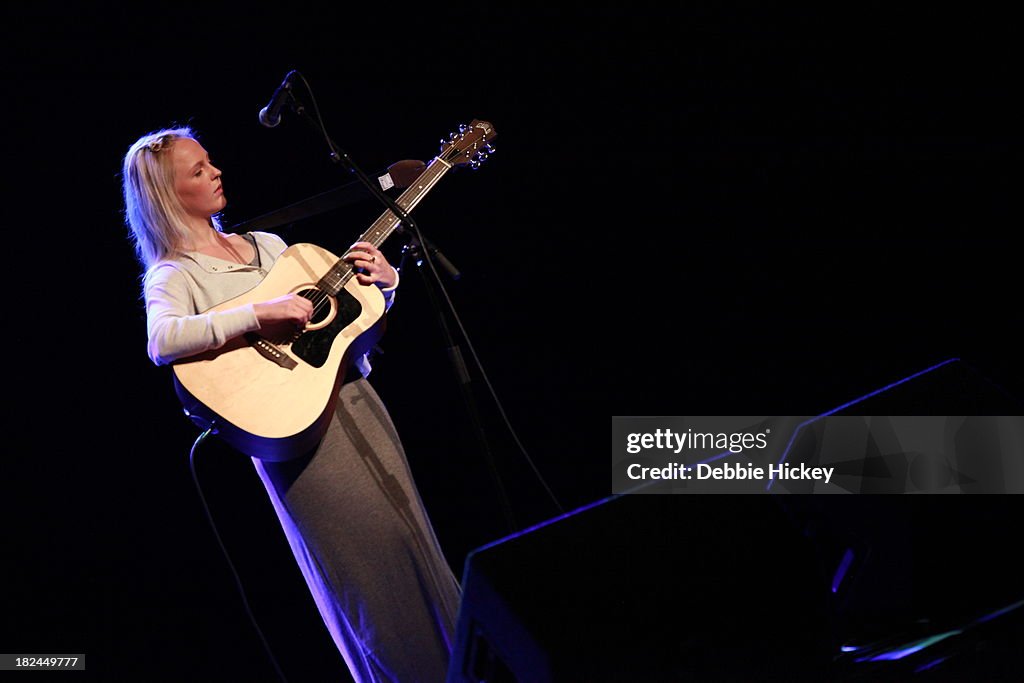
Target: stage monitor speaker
x=740 y=587
x=646 y=588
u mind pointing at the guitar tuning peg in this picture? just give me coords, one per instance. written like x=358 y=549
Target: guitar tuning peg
x=452 y=137
x=489 y=148
x=463 y=128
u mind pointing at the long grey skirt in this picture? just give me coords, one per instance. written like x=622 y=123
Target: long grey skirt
x=364 y=543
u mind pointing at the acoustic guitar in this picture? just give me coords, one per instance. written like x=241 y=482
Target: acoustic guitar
x=273 y=398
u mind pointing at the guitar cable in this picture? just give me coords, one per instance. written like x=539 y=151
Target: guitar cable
x=238 y=582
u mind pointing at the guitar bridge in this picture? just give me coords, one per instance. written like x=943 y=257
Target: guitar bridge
x=270 y=352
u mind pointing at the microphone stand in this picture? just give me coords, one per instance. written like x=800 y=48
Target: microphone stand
x=421 y=248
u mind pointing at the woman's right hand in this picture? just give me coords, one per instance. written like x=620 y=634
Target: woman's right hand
x=289 y=309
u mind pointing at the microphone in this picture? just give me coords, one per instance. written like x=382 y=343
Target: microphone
x=270 y=115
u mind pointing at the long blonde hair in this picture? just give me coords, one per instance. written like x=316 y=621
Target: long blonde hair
x=152 y=210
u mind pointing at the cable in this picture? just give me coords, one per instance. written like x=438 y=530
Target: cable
x=323 y=128
x=455 y=315
x=238 y=581
x=483 y=373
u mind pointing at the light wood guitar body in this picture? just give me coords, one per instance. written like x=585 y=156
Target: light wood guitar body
x=277 y=408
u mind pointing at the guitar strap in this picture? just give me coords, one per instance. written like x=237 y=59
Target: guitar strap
x=251 y=239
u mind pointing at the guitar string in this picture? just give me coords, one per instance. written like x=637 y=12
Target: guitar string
x=321 y=298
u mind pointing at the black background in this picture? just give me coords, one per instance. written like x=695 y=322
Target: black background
x=704 y=211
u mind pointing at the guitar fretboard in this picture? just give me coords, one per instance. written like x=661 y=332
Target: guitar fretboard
x=382 y=228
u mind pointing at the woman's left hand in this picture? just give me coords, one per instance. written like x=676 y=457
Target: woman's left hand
x=374 y=268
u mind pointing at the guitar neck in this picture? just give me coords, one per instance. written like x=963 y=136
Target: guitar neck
x=383 y=227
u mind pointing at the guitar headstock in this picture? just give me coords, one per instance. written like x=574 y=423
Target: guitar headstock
x=470 y=145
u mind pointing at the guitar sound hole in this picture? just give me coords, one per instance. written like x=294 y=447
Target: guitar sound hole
x=321 y=304
x=314 y=345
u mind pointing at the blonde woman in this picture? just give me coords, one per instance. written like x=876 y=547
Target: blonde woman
x=367 y=551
